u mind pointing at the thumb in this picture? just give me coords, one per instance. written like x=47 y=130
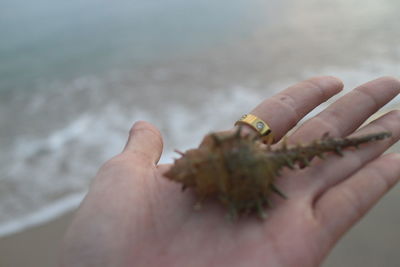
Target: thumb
x=145 y=141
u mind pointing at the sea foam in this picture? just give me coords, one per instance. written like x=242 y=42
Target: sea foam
x=47 y=177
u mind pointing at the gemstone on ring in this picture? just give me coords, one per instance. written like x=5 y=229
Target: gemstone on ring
x=256 y=123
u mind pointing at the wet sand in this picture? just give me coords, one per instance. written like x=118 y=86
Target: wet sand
x=38 y=246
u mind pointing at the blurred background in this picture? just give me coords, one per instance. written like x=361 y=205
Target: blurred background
x=75 y=75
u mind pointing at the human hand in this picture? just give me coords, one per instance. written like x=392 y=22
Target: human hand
x=132 y=216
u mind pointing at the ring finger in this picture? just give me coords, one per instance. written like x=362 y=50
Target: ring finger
x=284 y=110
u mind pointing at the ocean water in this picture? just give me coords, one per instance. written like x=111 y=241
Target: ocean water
x=75 y=75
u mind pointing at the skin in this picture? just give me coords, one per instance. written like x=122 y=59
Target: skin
x=132 y=216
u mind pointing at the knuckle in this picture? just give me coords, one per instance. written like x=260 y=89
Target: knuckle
x=287 y=99
x=366 y=93
x=138 y=126
x=123 y=164
x=332 y=115
x=324 y=85
x=315 y=85
x=354 y=160
x=147 y=128
x=287 y=103
x=323 y=126
x=140 y=158
x=389 y=123
x=379 y=173
x=391 y=80
x=115 y=162
x=354 y=200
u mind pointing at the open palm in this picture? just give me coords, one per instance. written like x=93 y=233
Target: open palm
x=132 y=216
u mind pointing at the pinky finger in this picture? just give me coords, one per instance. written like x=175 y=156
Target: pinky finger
x=344 y=204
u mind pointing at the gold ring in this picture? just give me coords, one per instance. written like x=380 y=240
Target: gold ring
x=256 y=123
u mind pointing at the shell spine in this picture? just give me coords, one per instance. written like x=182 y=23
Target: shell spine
x=240 y=171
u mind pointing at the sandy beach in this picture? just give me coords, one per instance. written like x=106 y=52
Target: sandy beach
x=38 y=246
x=70 y=89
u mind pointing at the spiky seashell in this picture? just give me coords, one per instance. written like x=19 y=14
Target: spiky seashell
x=240 y=171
